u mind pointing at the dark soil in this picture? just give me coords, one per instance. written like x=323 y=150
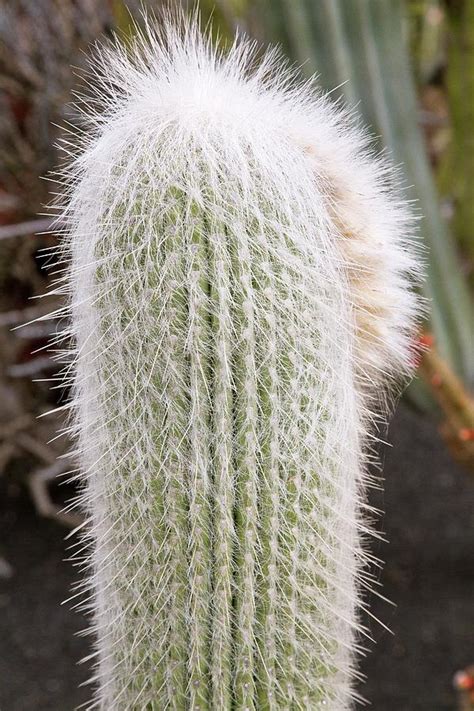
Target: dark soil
x=429 y=573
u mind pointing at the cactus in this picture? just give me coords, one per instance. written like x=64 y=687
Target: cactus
x=360 y=47
x=239 y=283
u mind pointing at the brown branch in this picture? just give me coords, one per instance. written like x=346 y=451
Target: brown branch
x=21 y=229
x=29 y=313
x=456 y=403
x=31 y=367
x=38 y=482
x=33 y=446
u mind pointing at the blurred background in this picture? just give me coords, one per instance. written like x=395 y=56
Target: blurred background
x=407 y=66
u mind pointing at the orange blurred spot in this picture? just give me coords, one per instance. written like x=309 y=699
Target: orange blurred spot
x=427 y=340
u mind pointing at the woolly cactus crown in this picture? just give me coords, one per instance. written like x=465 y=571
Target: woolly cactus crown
x=239 y=286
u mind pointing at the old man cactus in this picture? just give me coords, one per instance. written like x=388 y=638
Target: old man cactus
x=239 y=287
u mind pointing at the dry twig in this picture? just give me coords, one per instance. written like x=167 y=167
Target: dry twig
x=456 y=403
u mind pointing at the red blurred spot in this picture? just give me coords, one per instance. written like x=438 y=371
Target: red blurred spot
x=426 y=340
x=463 y=681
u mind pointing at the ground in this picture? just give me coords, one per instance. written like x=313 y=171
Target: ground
x=429 y=574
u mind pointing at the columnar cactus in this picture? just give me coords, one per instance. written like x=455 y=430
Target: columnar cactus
x=240 y=296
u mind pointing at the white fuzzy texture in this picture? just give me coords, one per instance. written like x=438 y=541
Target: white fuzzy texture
x=240 y=293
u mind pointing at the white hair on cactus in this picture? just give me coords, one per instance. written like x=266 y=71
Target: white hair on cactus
x=239 y=278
